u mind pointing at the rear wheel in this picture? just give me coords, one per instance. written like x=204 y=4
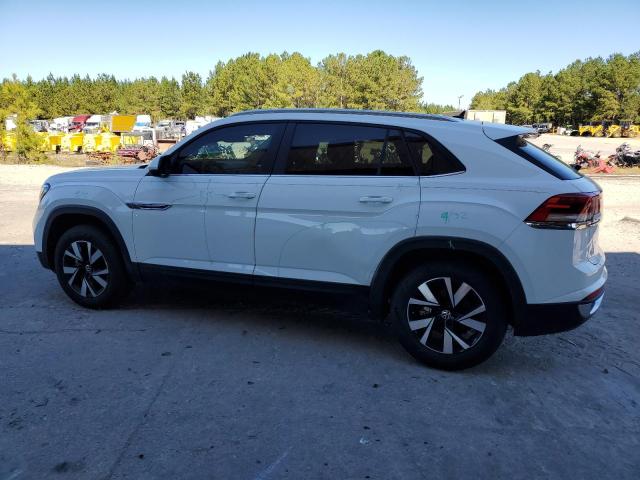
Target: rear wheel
x=89 y=267
x=449 y=316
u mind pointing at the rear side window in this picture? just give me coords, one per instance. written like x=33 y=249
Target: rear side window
x=431 y=159
x=341 y=149
x=547 y=162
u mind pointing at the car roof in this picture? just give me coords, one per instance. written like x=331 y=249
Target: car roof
x=347 y=111
x=417 y=121
x=375 y=117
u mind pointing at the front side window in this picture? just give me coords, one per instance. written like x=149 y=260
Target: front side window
x=240 y=149
x=338 y=149
x=431 y=160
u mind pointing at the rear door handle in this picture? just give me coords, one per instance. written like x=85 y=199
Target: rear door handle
x=247 y=195
x=375 y=199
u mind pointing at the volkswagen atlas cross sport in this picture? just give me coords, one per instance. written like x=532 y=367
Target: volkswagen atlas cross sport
x=455 y=229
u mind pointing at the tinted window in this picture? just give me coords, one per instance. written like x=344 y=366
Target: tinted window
x=233 y=150
x=431 y=160
x=539 y=157
x=335 y=149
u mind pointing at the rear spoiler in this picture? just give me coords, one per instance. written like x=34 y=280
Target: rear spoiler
x=496 y=131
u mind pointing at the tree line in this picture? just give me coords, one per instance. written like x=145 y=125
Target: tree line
x=590 y=90
x=373 y=81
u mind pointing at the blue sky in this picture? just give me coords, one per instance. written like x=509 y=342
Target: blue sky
x=459 y=47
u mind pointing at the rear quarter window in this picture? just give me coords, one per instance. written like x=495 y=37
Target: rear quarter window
x=547 y=162
x=431 y=158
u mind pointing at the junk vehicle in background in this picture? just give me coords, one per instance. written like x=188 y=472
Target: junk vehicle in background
x=170 y=129
x=138 y=146
x=585 y=158
x=625 y=157
x=60 y=124
x=143 y=122
x=97 y=123
x=78 y=123
x=39 y=125
x=543 y=127
x=169 y=132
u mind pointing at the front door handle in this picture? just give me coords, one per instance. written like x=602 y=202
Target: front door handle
x=247 y=195
x=375 y=199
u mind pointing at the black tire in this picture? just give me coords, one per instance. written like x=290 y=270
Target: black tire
x=97 y=253
x=429 y=329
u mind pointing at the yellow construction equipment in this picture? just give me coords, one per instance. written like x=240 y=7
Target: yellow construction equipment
x=9 y=141
x=614 y=130
x=108 y=142
x=628 y=129
x=585 y=130
x=625 y=128
x=594 y=129
x=54 y=142
x=91 y=142
x=72 y=142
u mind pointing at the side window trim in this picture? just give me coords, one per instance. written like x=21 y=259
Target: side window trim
x=280 y=164
x=271 y=154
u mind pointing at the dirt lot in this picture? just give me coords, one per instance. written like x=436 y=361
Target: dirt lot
x=565 y=146
x=190 y=381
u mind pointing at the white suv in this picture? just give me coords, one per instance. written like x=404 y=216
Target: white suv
x=454 y=228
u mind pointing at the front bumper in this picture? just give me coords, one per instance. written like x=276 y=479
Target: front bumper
x=544 y=318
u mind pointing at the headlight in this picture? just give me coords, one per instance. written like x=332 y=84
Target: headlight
x=44 y=189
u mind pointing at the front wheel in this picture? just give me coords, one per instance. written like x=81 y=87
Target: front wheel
x=89 y=267
x=449 y=316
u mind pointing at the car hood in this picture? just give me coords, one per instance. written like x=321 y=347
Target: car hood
x=127 y=173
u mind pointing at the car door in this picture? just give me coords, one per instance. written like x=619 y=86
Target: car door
x=168 y=221
x=202 y=216
x=238 y=159
x=341 y=196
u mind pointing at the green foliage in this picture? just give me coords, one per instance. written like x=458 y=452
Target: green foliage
x=289 y=80
x=17 y=98
x=584 y=91
x=192 y=95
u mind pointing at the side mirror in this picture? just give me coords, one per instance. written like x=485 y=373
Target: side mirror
x=160 y=167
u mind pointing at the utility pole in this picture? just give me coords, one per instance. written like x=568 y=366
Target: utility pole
x=460 y=97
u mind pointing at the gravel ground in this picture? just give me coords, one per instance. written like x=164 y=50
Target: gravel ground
x=565 y=146
x=188 y=381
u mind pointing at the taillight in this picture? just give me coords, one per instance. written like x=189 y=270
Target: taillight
x=567 y=211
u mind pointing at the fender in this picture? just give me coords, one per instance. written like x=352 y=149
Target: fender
x=104 y=220
x=502 y=266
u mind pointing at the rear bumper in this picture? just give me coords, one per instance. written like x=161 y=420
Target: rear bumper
x=544 y=318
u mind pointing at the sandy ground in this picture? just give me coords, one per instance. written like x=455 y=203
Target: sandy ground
x=190 y=382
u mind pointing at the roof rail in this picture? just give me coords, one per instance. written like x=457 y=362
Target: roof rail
x=347 y=111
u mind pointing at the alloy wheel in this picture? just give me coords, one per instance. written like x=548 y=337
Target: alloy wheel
x=446 y=315
x=85 y=268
